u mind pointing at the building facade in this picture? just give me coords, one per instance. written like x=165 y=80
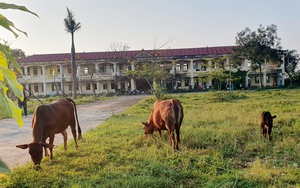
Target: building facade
x=105 y=72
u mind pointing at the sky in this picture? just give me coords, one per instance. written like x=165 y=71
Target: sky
x=147 y=24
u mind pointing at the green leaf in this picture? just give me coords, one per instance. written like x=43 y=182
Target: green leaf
x=3 y=167
x=11 y=79
x=4 y=22
x=13 y=6
x=9 y=107
x=8 y=55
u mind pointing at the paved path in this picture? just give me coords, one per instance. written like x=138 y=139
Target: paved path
x=89 y=115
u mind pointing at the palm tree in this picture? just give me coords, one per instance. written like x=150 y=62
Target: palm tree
x=71 y=27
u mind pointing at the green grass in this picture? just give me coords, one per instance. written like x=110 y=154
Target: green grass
x=221 y=146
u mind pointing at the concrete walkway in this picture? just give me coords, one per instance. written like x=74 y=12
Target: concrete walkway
x=89 y=115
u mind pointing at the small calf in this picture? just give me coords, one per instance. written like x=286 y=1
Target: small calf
x=266 y=124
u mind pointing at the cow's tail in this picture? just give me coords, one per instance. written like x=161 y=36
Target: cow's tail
x=178 y=111
x=79 y=129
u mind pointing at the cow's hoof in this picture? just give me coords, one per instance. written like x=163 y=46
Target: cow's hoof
x=37 y=167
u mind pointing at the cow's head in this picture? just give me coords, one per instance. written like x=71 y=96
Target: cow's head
x=35 y=151
x=148 y=128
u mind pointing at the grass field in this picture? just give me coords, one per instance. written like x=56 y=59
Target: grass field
x=221 y=146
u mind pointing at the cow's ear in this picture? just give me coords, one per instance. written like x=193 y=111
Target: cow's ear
x=274 y=117
x=46 y=145
x=144 y=123
x=23 y=146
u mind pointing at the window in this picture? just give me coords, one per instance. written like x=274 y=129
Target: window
x=36 y=88
x=178 y=83
x=111 y=68
x=267 y=79
x=128 y=67
x=35 y=71
x=256 y=79
x=178 y=67
x=185 y=67
x=42 y=72
x=56 y=87
x=69 y=70
x=53 y=87
x=186 y=82
x=87 y=86
x=94 y=86
x=28 y=70
x=203 y=68
x=102 y=68
x=104 y=85
x=85 y=70
x=196 y=66
x=121 y=67
x=113 y=86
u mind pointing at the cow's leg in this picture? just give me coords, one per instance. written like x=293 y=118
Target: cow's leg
x=262 y=130
x=159 y=132
x=51 y=140
x=72 y=125
x=269 y=133
x=172 y=140
x=65 y=136
x=45 y=149
x=177 y=138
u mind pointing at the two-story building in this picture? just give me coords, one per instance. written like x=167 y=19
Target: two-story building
x=104 y=72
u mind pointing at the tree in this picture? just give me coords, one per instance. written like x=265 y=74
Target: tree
x=155 y=71
x=8 y=79
x=71 y=26
x=18 y=53
x=151 y=72
x=118 y=51
x=259 y=46
x=291 y=61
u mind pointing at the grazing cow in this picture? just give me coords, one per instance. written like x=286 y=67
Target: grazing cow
x=165 y=115
x=266 y=124
x=47 y=121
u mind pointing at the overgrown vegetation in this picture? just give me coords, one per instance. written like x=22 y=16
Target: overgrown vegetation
x=221 y=146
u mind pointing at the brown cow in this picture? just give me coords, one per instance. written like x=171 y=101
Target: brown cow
x=47 y=121
x=266 y=124
x=165 y=115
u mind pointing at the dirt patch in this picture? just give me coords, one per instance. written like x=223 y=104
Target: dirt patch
x=90 y=115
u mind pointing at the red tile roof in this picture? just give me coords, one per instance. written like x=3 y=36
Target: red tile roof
x=177 y=53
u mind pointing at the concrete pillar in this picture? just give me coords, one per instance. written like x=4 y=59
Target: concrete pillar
x=192 y=73
x=264 y=77
x=98 y=87
x=132 y=65
x=79 y=71
x=25 y=71
x=133 y=84
x=61 y=68
x=44 y=79
x=97 y=67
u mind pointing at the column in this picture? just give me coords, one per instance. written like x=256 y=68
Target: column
x=264 y=79
x=25 y=71
x=61 y=77
x=79 y=71
x=98 y=87
x=97 y=67
x=133 y=84
x=192 y=73
x=44 y=79
x=132 y=65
